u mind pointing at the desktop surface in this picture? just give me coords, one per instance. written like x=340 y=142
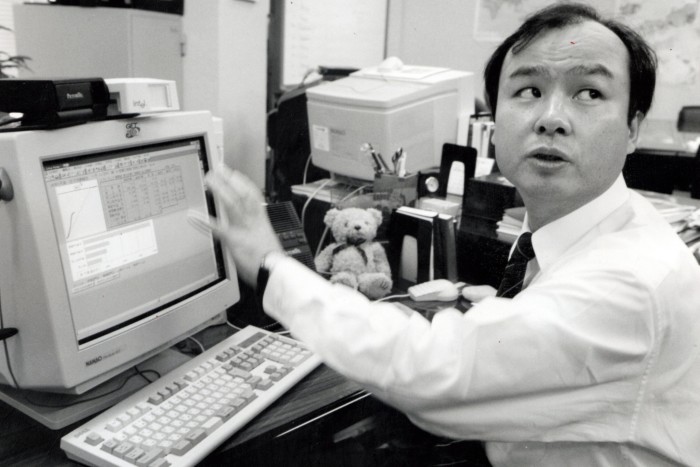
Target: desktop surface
x=24 y=441
x=324 y=420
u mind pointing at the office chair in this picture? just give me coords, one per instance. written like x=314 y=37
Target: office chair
x=695 y=177
x=689 y=121
x=651 y=171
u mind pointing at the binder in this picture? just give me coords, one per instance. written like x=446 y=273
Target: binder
x=431 y=246
x=445 y=247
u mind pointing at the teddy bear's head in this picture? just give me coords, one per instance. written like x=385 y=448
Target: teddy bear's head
x=353 y=225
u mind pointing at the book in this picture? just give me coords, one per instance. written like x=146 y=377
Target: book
x=509 y=227
x=675 y=213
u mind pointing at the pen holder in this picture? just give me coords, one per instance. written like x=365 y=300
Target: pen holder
x=391 y=186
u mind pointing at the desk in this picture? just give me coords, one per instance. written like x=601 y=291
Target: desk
x=297 y=430
x=23 y=441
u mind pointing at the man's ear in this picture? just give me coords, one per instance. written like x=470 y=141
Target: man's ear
x=634 y=127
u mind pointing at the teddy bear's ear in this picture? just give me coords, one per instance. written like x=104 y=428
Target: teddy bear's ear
x=331 y=214
x=376 y=213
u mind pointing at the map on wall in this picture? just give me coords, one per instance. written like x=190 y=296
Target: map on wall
x=497 y=19
x=672 y=28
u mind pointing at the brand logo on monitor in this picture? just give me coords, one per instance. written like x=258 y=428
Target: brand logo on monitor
x=99 y=358
x=75 y=95
x=92 y=361
x=132 y=129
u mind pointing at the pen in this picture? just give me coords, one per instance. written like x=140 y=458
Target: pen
x=379 y=164
x=375 y=163
x=395 y=159
x=401 y=170
x=384 y=166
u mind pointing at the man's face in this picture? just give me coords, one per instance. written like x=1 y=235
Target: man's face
x=561 y=122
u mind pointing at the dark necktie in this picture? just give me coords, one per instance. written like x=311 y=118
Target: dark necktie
x=513 y=277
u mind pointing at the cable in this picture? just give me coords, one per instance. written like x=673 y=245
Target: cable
x=136 y=372
x=231 y=325
x=6 y=333
x=392 y=296
x=142 y=373
x=306 y=75
x=9 y=365
x=306 y=169
x=199 y=344
x=312 y=196
x=319 y=247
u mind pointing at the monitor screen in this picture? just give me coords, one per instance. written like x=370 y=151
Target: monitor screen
x=120 y=219
x=100 y=268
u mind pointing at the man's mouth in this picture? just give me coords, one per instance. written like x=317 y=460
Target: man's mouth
x=547 y=157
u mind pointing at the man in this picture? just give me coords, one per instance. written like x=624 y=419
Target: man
x=596 y=361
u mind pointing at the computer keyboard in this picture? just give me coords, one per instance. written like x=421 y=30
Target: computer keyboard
x=183 y=416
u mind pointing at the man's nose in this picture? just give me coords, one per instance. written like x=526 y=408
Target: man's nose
x=553 y=119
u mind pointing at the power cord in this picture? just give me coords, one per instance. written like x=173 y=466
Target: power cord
x=137 y=372
x=6 y=333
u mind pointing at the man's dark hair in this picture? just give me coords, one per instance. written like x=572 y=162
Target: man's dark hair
x=642 y=59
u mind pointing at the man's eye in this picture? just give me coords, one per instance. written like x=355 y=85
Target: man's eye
x=588 y=95
x=529 y=93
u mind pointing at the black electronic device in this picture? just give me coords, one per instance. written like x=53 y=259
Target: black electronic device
x=287 y=226
x=163 y=6
x=434 y=183
x=55 y=102
x=286 y=223
x=488 y=196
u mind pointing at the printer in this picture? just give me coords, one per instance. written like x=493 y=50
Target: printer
x=389 y=106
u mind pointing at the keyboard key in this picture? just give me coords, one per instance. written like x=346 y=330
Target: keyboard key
x=134 y=455
x=123 y=449
x=181 y=447
x=109 y=445
x=149 y=457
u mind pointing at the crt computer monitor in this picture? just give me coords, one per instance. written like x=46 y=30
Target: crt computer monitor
x=99 y=266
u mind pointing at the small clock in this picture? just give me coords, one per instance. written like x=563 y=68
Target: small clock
x=432 y=184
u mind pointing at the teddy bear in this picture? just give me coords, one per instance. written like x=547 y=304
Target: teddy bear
x=355 y=259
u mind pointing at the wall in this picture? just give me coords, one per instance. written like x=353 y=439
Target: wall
x=225 y=71
x=425 y=32
x=422 y=33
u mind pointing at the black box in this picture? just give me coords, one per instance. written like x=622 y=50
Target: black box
x=53 y=102
x=164 y=6
x=487 y=197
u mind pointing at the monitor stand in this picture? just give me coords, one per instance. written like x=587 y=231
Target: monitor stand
x=60 y=410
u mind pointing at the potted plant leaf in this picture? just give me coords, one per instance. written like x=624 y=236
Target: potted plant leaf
x=7 y=62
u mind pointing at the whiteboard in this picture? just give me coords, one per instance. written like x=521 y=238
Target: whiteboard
x=331 y=33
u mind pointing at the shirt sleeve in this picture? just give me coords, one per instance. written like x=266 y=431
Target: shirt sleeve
x=508 y=370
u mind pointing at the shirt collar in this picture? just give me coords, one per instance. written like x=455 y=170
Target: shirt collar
x=553 y=239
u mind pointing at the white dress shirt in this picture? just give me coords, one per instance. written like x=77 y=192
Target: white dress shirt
x=596 y=362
